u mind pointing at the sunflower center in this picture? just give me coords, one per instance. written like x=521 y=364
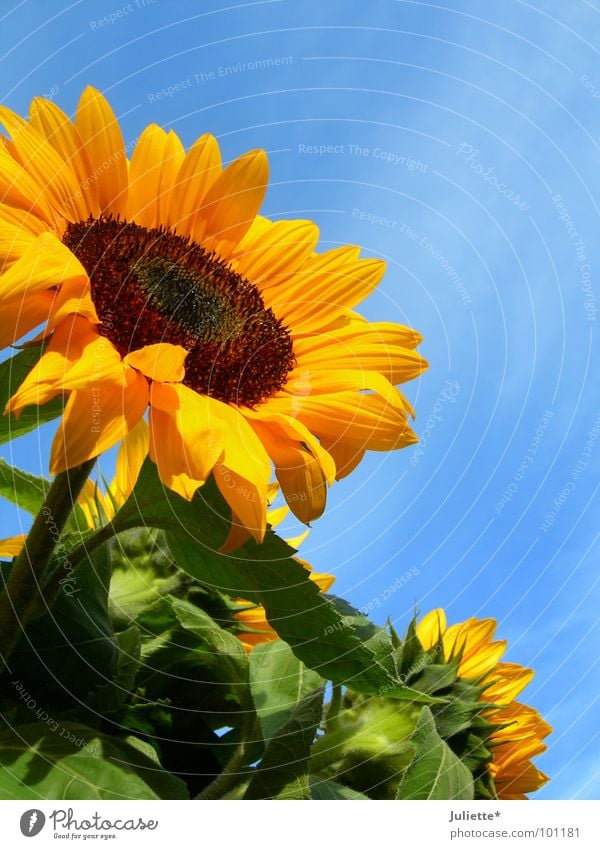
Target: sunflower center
x=152 y=286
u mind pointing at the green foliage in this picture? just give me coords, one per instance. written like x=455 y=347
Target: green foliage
x=25 y=490
x=323 y=790
x=278 y=681
x=67 y=760
x=367 y=746
x=283 y=771
x=70 y=649
x=135 y=685
x=435 y=772
x=325 y=633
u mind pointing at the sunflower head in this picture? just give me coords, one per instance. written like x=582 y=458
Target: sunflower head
x=372 y=744
x=512 y=732
x=164 y=296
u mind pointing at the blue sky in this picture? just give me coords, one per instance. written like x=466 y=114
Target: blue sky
x=459 y=142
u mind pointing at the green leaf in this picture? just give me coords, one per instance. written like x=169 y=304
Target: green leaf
x=108 y=698
x=142 y=572
x=26 y=491
x=205 y=519
x=283 y=771
x=182 y=644
x=12 y=373
x=219 y=649
x=434 y=772
x=71 y=649
x=325 y=633
x=324 y=790
x=278 y=681
x=65 y=760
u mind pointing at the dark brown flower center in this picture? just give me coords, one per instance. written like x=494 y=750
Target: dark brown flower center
x=153 y=286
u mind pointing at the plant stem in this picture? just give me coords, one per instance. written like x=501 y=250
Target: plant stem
x=24 y=585
x=331 y=720
x=228 y=778
x=232 y=773
x=53 y=587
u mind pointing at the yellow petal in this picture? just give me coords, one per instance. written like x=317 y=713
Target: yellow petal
x=162 y=362
x=301 y=474
x=96 y=505
x=431 y=627
x=231 y=203
x=99 y=362
x=276 y=516
x=363 y=351
x=44 y=381
x=237 y=537
x=303 y=484
x=244 y=471
x=286 y=430
x=514 y=786
x=345 y=457
x=51 y=122
x=72 y=298
x=132 y=453
x=22 y=315
x=507 y=680
x=469 y=636
x=322 y=580
x=49 y=171
x=173 y=159
x=322 y=381
x=22 y=220
x=297 y=541
x=182 y=484
x=357 y=420
x=185 y=436
x=482 y=661
x=154 y=166
x=105 y=150
x=20 y=190
x=269 y=257
x=324 y=287
x=12 y=546
x=95 y=420
x=14 y=241
x=197 y=173
x=45 y=264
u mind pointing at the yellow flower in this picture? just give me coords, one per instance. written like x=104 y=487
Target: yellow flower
x=161 y=290
x=522 y=729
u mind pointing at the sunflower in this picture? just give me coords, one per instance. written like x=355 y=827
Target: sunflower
x=521 y=729
x=162 y=292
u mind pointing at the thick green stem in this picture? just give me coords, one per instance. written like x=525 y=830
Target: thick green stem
x=233 y=773
x=335 y=706
x=55 y=582
x=21 y=592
